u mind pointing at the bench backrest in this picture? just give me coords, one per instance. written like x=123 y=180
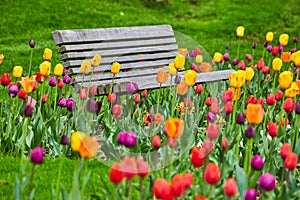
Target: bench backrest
x=141 y=51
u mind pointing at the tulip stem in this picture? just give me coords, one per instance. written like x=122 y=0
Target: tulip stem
x=1 y=111
x=55 y=96
x=296 y=132
x=42 y=91
x=141 y=188
x=59 y=174
x=285 y=125
x=23 y=143
x=30 y=181
x=270 y=156
x=238 y=50
x=248 y=156
x=129 y=189
x=30 y=63
x=237 y=149
x=288 y=179
x=112 y=84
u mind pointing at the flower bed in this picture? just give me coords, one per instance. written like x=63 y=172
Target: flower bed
x=249 y=147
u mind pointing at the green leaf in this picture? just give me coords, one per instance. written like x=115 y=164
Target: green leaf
x=64 y=192
x=31 y=194
x=29 y=138
x=86 y=179
x=241 y=180
x=297 y=148
x=17 y=191
x=283 y=195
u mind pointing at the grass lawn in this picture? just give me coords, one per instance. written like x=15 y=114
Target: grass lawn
x=211 y=23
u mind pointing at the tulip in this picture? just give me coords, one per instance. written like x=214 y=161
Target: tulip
x=275 y=51
x=286 y=56
x=242 y=65
x=37 y=155
x=130 y=139
x=212 y=131
x=224 y=143
x=190 y=77
x=47 y=54
x=293 y=50
x=31 y=43
x=67 y=79
x=17 y=72
x=121 y=137
x=172 y=142
x=285 y=150
x=266 y=70
x=171 y=69
x=174 y=127
x=249 y=73
x=197 y=157
x=212 y=173
x=295 y=39
x=131 y=88
x=292 y=91
x=291 y=161
x=230 y=188
x=240 y=31
x=297 y=108
x=211 y=117
x=85 y=67
x=179 y=61
x=257 y=162
x=96 y=60
x=156 y=142
x=267 y=182
x=28 y=83
x=39 y=77
x=45 y=68
x=60 y=83
x=129 y=168
x=278 y=95
x=199 y=89
x=270 y=99
x=89 y=147
x=240 y=118
x=145 y=93
x=52 y=81
x=284 y=39
x=235 y=61
x=208 y=146
x=215 y=108
x=248 y=57
x=266 y=43
x=115 y=174
x=272 y=129
x=159 y=188
x=269 y=36
x=227 y=96
x=44 y=98
x=162 y=76
x=192 y=53
x=177 y=79
x=250 y=132
x=143 y=167
x=178 y=185
x=254 y=113
x=260 y=64
x=227 y=46
x=288 y=105
x=58 y=70
x=277 y=64
x=188 y=179
x=237 y=78
x=226 y=56
x=254 y=45
x=117 y=110
x=13 y=91
x=62 y=102
x=250 y=194
x=5 y=79
x=28 y=111
x=22 y=94
x=71 y=104
x=64 y=140
x=111 y=98
x=260 y=101
x=83 y=93
x=218 y=57
x=93 y=106
x=269 y=48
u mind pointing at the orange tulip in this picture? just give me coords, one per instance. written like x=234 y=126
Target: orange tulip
x=292 y=91
x=89 y=147
x=298 y=84
x=286 y=56
x=162 y=76
x=254 y=113
x=183 y=51
x=28 y=83
x=205 y=67
x=174 y=127
x=182 y=88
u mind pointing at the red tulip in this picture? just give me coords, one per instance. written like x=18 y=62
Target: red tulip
x=115 y=174
x=22 y=94
x=215 y=108
x=260 y=64
x=143 y=167
x=288 y=105
x=39 y=77
x=272 y=129
x=145 y=93
x=285 y=150
x=129 y=167
x=197 y=157
x=198 y=197
x=228 y=107
x=111 y=98
x=44 y=98
x=260 y=101
x=117 y=110
x=178 y=185
x=5 y=79
x=160 y=187
x=188 y=180
x=93 y=90
x=210 y=100
x=278 y=95
x=208 y=146
x=270 y=99
x=172 y=142
x=212 y=131
x=227 y=96
x=266 y=70
x=137 y=98
x=60 y=83
x=83 y=94
x=291 y=161
x=251 y=99
x=242 y=65
x=156 y=142
x=230 y=187
x=199 y=89
x=275 y=51
x=212 y=173
x=224 y=143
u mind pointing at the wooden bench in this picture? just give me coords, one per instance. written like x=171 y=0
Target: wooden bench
x=141 y=51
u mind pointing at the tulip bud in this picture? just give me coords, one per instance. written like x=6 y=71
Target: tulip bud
x=224 y=143
x=62 y=102
x=278 y=95
x=280 y=48
x=250 y=132
x=52 y=81
x=44 y=98
x=260 y=64
x=188 y=180
x=93 y=91
x=226 y=56
x=17 y=71
x=137 y=98
x=5 y=79
x=288 y=105
x=67 y=79
x=297 y=108
x=249 y=57
x=270 y=99
x=117 y=110
x=115 y=174
x=172 y=142
x=31 y=43
x=293 y=50
x=285 y=150
x=145 y=93
x=177 y=79
x=71 y=104
x=212 y=131
x=230 y=187
x=266 y=43
x=64 y=140
x=227 y=46
x=257 y=162
x=260 y=101
x=39 y=77
x=272 y=129
x=227 y=96
x=295 y=39
x=275 y=51
x=291 y=161
x=208 y=101
x=60 y=83
x=235 y=61
x=199 y=89
x=240 y=118
x=251 y=99
x=37 y=155
x=215 y=108
x=47 y=54
x=130 y=139
x=93 y=106
x=211 y=117
x=197 y=157
x=178 y=185
x=212 y=173
x=28 y=110
x=242 y=65
x=111 y=98
x=13 y=91
x=266 y=70
x=83 y=93
x=156 y=142
x=160 y=188
x=228 y=107
x=250 y=194
x=131 y=88
x=254 y=45
x=22 y=94
x=267 y=182
x=269 y=48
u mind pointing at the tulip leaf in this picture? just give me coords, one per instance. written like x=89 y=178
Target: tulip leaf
x=17 y=190
x=241 y=180
x=29 y=138
x=297 y=148
x=63 y=192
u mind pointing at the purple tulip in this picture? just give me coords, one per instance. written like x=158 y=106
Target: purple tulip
x=226 y=56
x=93 y=106
x=71 y=104
x=295 y=39
x=64 y=140
x=267 y=182
x=187 y=57
x=193 y=53
x=193 y=67
x=250 y=194
x=52 y=81
x=227 y=46
x=235 y=61
x=130 y=139
x=13 y=91
x=28 y=110
x=297 y=108
x=250 y=132
x=293 y=50
x=254 y=45
x=269 y=48
x=211 y=117
x=131 y=88
x=266 y=43
x=177 y=79
x=62 y=102
x=37 y=155
x=121 y=137
x=67 y=79
x=257 y=162
x=31 y=43
x=280 y=48
x=240 y=118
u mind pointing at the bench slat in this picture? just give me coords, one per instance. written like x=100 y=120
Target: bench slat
x=149 y=81
x=112 y=45
x=124 y=59
x=102 y=34
x=119 y=52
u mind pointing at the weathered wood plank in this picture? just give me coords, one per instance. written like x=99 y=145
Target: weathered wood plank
x=119 y=52
x=149 y=81
x=124 y=59
x=102 y=34
x=118 y=44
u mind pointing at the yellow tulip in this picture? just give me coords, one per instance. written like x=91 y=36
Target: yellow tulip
x=284 y=39
x=297 y=61
x=295 y=55
x=76 y=139
x=292 y=91
x=1 y=58
x=45 y=68
x=218 y=57
x=249 y=73
x=96 y=60
x=236 y=93
x=161 y=76
x=179 y=61
x=58 y=70
x=17 y=71
x=190 y=77
x=171 y=69
x=28 y=83
x=237 y=78
x=240 y=31
x=85 y=67
x=47 y=54
x=285 y=79
x=199 y=59
x=115 y=68
x=277 y=64
x=269 y=36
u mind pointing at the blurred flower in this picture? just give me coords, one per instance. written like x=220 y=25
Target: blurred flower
x=178 y=185
x=278 y=95
x=242 y=65
x=251 y=99
x=37 y=155
x=250 y=132
x=96 y=60
x=215 y=108
x=266 y=70
x=291 y=161
x=161 y=189
x=205 y=67
x=47 y=54
x=271 y=99
x=257 y=162
x=269 y=48
x=83 y=93
x=190 y=77
x=67 y=79
x=22 y=94
x=254 y=45
x=58 y=69
x=285 y=150
x=228 y=107
x=208 y=146
x=111 y=98
x=28 y=110
x=286 y=56
x=226 y=56
x=277 y=64
x=13 y=91
x=162 y=76
x=179 y=61
x=254 y=113
x=227 y=96
x=211 y=117
x=250 y=194
x=62 y=102
x=171 y=69
x=28 y=83
x=44 y=98
x=71 y=104
x=60 y=83
x=235 y=61
x=143 y=167
x=240 y=118
x=269 y=36
x=131 y=88
x=52 y=81
x=31 y=43
x=297 y=108
x=248 y=57
x=295 y=39
x=183 y=51
x=272 y=129
x=293 y=50
x=199 y=59
x=260 y=101
x=240 y=31
x=212 y=131
x=177 y=79
x=288 y=105
x=156 y=142
x=292 y=91
x=266 y=43
x=17 y=72
x=5 y=79
x=212 y=173
x=129 y=167
x=275 y=51
x=174 y=127
x=172 y=142
x=237 y=78
x=260 y=64
x=117 y=110
x=45 y=68
x=89 y=147
x=85 y=67
x=197 y=157
x=284 y=39
x=182 y=88
x=249 y=73
x=115 y=173
x=64 y=140
x=218 y=57
x=230 y=187
x=227 y=46
x=145 y=93
x=137 y=98
x=198 y=89
x=39 y=77
x=224 y=143
x=267 y=182
x=93 y=106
